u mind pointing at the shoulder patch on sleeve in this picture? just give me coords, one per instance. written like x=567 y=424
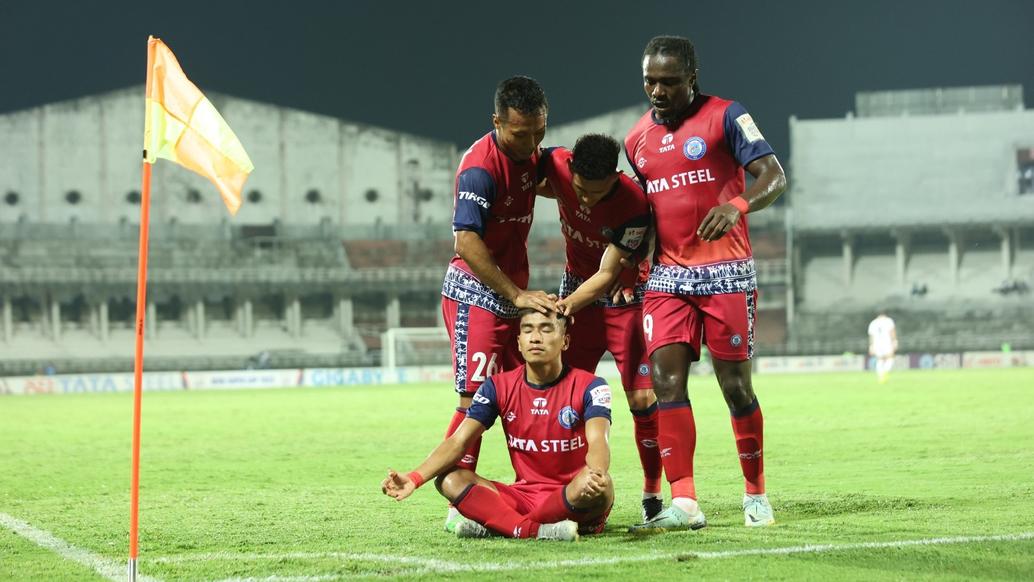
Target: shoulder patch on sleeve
x=633 y=237
x=749 y=128
x=601 y=396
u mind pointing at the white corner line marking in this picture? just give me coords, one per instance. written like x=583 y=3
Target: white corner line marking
x=110 y=569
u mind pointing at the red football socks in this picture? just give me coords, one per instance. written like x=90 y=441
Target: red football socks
x=677 y=440
x=484 y=506
x=649 y=452
x=470 y=456
x=748 y=428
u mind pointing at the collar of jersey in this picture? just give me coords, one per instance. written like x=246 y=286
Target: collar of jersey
x=698 y=102
x=563 y=372
x=502 y=151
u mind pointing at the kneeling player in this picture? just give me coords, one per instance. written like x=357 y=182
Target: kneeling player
x=556 y=420
x=605 y=218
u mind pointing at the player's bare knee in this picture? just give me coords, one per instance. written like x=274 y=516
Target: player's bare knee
x=639 y=399
x=454 y=482
x=737 y=390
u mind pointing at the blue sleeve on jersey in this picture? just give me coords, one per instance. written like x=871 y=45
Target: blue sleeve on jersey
x=475 y=193
x=742 y=148
x=596 y=405
x=485 y=406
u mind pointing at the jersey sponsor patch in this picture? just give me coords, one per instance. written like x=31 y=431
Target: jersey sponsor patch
x=481 y=399
x=601 y=396
x=749 y=128
x=476 y=199
x=633 y=237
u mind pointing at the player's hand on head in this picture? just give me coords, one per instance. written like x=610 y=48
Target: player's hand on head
x=563 y=307
x=719 y=220
x=540 y=301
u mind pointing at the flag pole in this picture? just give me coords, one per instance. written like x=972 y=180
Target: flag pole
x=138 y=356
x=138 y=366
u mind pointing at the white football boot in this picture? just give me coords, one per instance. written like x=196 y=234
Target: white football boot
x=757 y=511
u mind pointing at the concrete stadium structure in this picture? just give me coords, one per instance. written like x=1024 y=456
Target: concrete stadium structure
x=921 y=202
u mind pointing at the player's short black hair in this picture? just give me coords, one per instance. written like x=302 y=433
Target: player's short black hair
x=675 y=46
x=528 y=311
x=522 y=93
x=595 y=156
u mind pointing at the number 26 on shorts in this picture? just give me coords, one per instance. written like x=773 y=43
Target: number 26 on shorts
x=485 y=367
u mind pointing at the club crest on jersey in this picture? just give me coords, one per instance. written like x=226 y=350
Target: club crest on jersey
x=568 y=418
x=695 y=148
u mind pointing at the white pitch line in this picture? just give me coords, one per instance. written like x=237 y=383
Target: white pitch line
x=822 y=548
x=432 y=565
x=110 y=569
x=356 y=556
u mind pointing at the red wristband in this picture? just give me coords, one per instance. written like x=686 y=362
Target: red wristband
x=415 y=478
x=741 y=204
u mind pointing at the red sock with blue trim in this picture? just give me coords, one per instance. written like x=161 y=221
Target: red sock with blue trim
x=677 y=441
x=748 y=426
x=469 y=460
x=486 y=507
x=646 y=441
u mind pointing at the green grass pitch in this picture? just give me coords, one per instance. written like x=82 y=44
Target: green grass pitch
x=284 y=485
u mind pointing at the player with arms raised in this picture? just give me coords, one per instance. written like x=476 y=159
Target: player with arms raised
x=486 y=280
x=556 y=421
x=604 y=216
x=689 y=152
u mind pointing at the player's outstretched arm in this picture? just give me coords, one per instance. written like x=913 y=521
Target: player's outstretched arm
x=471 y=248
x=444 y=456
x=769 y=184
x=599 y=284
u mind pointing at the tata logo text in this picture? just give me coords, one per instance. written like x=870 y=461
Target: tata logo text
x=667 y=144
x=539 y=407
x=679 y=180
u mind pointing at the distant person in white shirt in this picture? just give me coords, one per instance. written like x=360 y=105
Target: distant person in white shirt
x=883 y=342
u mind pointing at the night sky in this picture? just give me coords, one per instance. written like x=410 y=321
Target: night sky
x=430 y=68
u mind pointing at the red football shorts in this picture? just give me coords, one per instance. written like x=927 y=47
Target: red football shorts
x=530 y=499
x=618 y=330
x=725 y=323
x=482 y=344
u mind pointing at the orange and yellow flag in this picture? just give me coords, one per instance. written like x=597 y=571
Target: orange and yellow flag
x=182 y=126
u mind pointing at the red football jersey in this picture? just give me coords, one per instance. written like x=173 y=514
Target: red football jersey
x=687 y=169
x=544 y=425
x=622 y=217
x=494 y=197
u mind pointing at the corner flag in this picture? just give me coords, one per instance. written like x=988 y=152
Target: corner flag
x=182 y=126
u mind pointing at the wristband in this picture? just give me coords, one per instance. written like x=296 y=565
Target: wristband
x=416 y=479
x=741 y=204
